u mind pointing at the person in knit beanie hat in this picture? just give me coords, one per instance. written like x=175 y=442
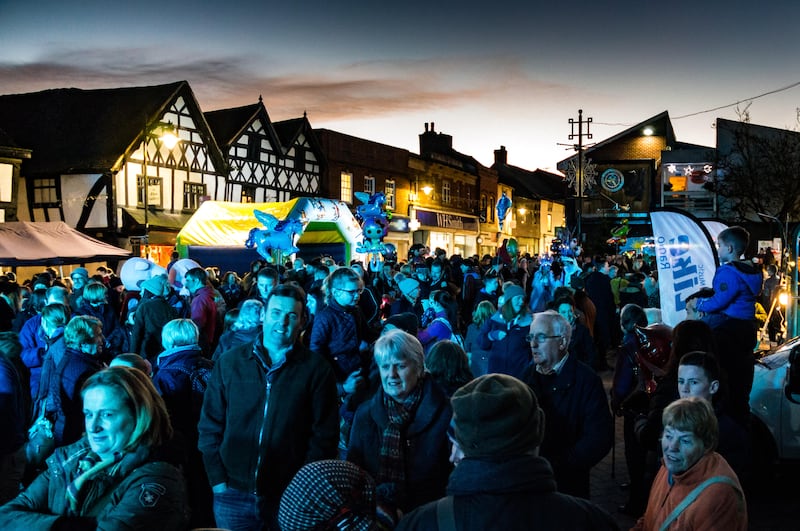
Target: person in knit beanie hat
x=500 y=482
x=497 y=415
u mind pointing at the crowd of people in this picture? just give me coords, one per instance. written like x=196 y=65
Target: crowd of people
x=382 y=395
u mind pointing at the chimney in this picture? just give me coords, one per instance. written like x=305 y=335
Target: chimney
x=501 y=156
x=433 y=142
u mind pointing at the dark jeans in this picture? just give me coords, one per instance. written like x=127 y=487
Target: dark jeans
x=236 y=510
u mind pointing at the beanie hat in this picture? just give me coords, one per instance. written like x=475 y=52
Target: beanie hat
x=407 y=285
x=497 y=415
x=405 y=321
x=513 y=291
x=80 y=271
x=157 y=285
x=329 y=494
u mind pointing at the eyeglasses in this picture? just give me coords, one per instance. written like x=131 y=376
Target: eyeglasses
x=539 y=338
x=351 y=292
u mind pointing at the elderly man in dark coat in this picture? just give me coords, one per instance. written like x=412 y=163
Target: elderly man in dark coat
x=580 y=429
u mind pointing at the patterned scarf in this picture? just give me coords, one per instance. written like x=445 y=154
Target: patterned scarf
x=88 y=466
x=391 y=468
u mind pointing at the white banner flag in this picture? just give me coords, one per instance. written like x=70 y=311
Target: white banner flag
x=714 y=228
x=686 y=259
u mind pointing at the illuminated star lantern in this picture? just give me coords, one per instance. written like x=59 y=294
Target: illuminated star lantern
x=672 y=169
x=688 y=170
x=589 y=176
x=708 y=168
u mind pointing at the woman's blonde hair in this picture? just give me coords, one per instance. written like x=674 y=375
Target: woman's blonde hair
x=401 y=345
x=152 y=427
x=179 y=333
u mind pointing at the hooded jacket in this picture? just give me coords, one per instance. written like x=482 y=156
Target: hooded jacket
x=512 y=354
x=736 y=288
x=514 y=494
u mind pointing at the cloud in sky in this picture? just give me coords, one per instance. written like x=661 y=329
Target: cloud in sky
x=349 y=91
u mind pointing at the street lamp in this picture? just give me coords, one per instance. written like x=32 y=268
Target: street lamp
x=165 y=133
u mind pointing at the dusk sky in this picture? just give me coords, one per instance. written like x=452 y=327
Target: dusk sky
x=488 y=73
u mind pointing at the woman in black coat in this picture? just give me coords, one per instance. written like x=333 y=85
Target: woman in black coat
x=400 y=435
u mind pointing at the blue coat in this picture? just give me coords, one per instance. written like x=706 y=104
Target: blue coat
x=175 y=386
x=34 y=346
x=427 y=449
x=69 y=425
x=337 y=336
x=580 y=429
x=736 y=287
x=15 y=404
x=512 y=354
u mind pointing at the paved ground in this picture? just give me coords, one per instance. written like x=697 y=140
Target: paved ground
x=775 y=507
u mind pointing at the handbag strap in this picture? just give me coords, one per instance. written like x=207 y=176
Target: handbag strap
x=445 y=516
x=692 y=496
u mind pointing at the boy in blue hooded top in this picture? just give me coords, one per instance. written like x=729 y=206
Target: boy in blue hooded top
x=730 y=312
x=737 y=283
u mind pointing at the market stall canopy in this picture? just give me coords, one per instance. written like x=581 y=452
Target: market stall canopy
x=27 y=243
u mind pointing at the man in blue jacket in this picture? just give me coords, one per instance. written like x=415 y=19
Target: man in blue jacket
x=269 y=409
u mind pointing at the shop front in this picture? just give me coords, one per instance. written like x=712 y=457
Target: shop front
x=454 y=232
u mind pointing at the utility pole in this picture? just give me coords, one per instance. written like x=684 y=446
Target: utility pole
x=579 y=148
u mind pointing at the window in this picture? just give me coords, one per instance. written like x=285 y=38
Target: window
x=45 y=192
x=390 y=191
x=346 y=190
x=445 y=191
x=193 y=194
x=248 y=194
x=492 y=204
x=369 y=185
x=153 y=192
x=299 y=158
x=484 y=207
x=6 y=178
x=549 y=222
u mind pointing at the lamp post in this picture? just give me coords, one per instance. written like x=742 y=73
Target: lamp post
x=164 y=132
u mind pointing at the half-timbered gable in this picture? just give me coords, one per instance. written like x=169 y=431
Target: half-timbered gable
x=88 y=163
x=267 y=162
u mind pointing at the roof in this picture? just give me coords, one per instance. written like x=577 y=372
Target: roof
x=229 y=124
x=73 y=130
x=51 y=243
x=537 y=184
x=660 y=123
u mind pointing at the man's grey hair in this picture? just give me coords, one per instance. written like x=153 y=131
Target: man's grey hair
x=559 y=326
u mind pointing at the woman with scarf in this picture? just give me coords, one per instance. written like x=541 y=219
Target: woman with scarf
x=399 y=436
x=113 y=477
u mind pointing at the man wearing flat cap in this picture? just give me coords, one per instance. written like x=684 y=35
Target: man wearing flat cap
x=500 y=482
